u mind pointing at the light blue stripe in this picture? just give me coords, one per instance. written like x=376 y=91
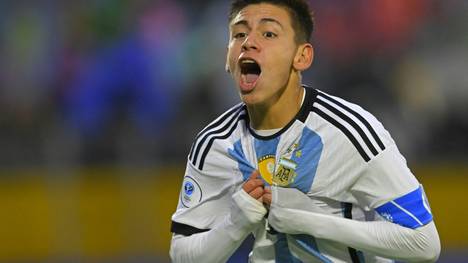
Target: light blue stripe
x=282 y=253
x=309 y=245
x=266 y=147
x=360 y=254
x=238 y=154
x=307 y=156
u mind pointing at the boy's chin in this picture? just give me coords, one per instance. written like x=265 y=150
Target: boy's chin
x=250 y=98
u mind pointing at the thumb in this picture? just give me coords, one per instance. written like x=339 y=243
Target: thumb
x=254 y=174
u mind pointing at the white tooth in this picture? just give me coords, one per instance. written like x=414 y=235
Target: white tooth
x=248 y=61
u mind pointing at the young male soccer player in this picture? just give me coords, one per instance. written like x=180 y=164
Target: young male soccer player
x=313 y=177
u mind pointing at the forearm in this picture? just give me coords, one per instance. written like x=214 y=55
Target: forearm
x=218 y=244
x=381 y=238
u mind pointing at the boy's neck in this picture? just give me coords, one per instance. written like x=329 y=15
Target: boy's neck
x=278 y=114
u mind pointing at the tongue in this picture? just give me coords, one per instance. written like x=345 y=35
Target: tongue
x=251 y=78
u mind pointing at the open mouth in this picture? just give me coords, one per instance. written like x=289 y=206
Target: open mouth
x=250 y=72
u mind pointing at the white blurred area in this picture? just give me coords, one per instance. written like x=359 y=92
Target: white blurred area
x=109 y=81
x=125 y=85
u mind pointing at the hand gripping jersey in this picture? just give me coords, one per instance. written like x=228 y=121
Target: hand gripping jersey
x=333 y=151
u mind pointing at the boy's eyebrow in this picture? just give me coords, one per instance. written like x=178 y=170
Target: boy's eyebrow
x=241 y=22
x=271 y=20
x=262 y=21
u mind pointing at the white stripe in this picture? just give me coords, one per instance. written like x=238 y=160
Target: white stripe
x=407 y=212
x=197 y=142
x=206 y=130
x=349 y=128
x=354 y=118
x=288 y=163
x=222 y=133
x=425 y=201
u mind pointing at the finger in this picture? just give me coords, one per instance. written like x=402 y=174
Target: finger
x=267 y=198
x=257 y=193
x=251 y=184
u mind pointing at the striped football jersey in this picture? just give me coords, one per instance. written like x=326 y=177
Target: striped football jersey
x=334 y=151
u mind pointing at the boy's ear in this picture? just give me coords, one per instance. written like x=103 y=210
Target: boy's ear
x=304 y=57
x=226 y=66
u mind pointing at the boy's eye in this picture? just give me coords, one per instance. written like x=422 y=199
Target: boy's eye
x=240 y=35
x=269 y=34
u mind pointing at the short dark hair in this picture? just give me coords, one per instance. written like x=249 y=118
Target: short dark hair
x=302 y=19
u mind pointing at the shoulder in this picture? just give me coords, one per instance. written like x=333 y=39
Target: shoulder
x=218 y=130
x=338 y=118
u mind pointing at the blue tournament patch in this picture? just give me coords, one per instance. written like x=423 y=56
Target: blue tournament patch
x=188 y=188
x=191 y=192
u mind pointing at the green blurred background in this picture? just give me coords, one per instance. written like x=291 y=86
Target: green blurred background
x=100 y=101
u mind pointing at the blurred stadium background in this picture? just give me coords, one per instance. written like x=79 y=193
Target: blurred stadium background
x=100 y=101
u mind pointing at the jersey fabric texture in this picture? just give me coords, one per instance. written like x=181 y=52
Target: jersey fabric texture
x=334 y=151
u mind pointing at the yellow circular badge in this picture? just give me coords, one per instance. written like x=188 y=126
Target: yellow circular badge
x=266 y=166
